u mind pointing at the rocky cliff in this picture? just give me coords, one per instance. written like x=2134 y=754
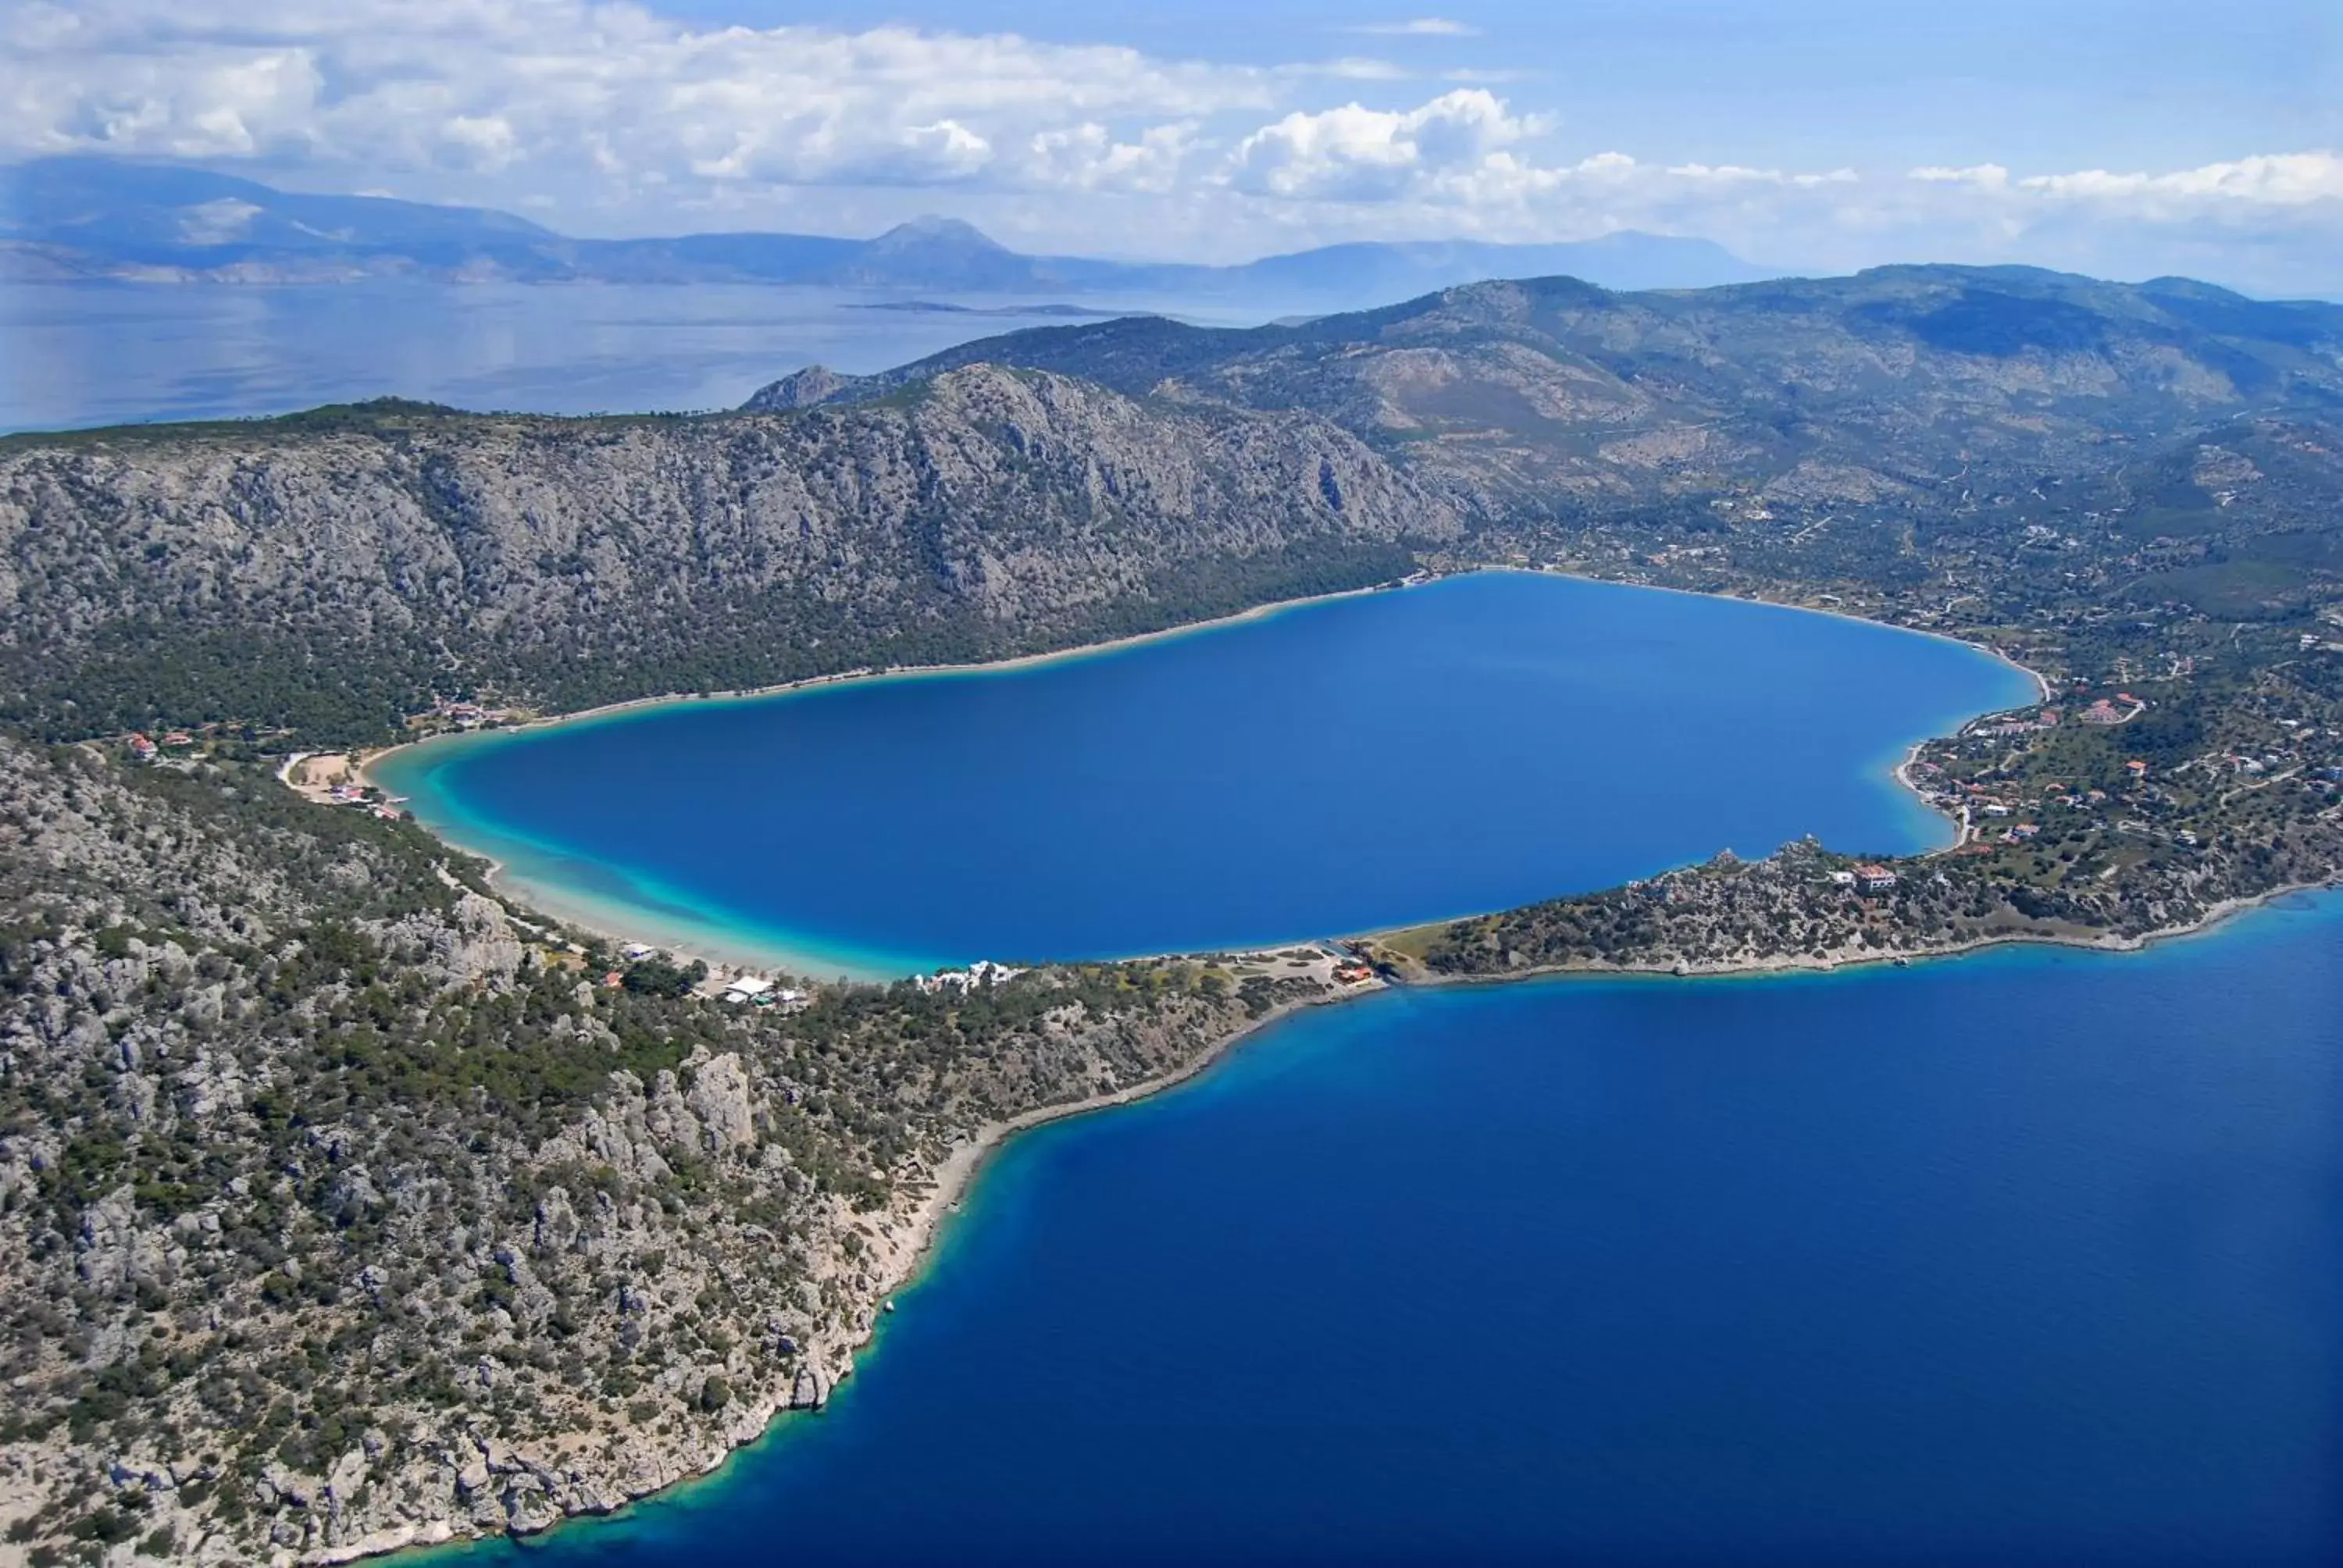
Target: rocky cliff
x=1550 y=396
x=332 y=569
x=342 y=1206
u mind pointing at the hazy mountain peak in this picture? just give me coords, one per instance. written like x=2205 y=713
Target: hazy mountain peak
x=100 y=217
x=929 y=229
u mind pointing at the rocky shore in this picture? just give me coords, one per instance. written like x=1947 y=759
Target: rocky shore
x=344 y=1213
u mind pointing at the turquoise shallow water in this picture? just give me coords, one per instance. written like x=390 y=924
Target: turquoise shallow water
x=1338 y=767
x=2032 y=1257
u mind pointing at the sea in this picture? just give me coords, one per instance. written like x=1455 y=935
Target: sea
x=2029 y=1257
x=89 y=354
x=1340 y=766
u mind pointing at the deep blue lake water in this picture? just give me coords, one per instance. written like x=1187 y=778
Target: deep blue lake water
x=2032 y=1257
x=1334 y=767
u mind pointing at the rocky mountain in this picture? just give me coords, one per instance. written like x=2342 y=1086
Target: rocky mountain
x=68 y=218
x=332 y=571
x=343 y=1203
x=342 y=1206
x=1552 y=396
x=79 y=217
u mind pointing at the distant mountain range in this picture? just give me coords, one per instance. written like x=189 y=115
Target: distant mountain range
x=1552 y=397
x=63 y=219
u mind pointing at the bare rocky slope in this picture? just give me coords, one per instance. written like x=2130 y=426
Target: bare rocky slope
x=333 y=570
x=1553 y=398
x=342 y=1206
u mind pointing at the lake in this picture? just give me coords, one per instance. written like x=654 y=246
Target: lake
x=76 y=355
x=1337 y=767
x=2031 y=1256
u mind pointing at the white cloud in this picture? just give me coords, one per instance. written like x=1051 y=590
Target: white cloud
x=1734 y=174
x=1350 y=68
x=1087 y=157
x=1420 y=27
x=1980 y=177
x=552 y=87
x=606 y=116
x=2290 y=179
x=2267 y=180
x=1357 y=153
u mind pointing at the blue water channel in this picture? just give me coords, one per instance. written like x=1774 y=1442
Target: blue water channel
x=2031 y=1256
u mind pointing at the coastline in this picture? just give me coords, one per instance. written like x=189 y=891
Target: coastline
x=907 y=1239
x=902 y=672
x=625 y=926
x=2044 y=689
x=1873 y=957
x=706 y=939
x=967 y=1160
x=910 y=1234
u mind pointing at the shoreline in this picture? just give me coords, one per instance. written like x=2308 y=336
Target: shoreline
x=611 y=925
x=1790 y=964
x=916 y=1234
x=901 y=672
x=912 y=1237
x=621 y=925
x=2045 y=690
x=967 y=1160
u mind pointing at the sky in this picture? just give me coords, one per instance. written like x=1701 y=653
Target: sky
x=2126 y=140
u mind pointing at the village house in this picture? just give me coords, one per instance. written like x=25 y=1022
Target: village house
x=1874 y=879
x=141 y=749
x=984 y=971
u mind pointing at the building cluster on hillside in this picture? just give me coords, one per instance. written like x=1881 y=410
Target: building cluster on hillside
x=984 y=972
x=2121 y=708
x=471 y=714
x=366 y=798
x=755 y=990
x=144 y=747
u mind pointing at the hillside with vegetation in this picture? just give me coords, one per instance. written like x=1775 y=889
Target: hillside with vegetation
x=332 y=571
x=343 y=1202
x=1896 y=391
x=343 y=1206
